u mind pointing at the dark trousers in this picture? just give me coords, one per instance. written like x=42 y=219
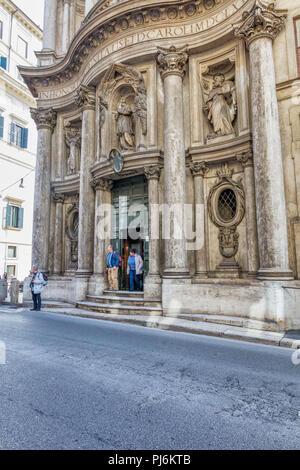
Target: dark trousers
x=37 y=301
x=133 y=279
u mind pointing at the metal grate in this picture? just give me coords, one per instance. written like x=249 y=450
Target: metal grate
x=227 y=204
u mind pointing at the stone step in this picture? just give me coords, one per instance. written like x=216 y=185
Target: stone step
x=232 y=321
x=119 y=309
x=126 y=293
x=123 y=300
x=49 y=304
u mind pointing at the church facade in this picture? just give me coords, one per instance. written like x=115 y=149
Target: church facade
x=171 y=127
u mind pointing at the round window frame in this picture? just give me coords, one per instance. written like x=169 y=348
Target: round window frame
x=214 y=205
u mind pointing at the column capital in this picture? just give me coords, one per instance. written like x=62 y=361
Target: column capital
x=86 y=97
x=152 y=172
x=58 y=198
x=172 y=60
x=72 y=135
x=245 y=158
x=262 y=21
x=102 y=184
x=199 y=169
x=44 y=118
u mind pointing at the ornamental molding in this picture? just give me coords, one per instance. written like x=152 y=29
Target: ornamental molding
x=44 y=118
x=228 y=237
x=172 y=60
x=262 y=21
x=102 y=36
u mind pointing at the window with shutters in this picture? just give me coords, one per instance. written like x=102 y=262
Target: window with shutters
x=18 y=135
x=297 y=34
x=22 y=47
x=12 y=252
x=14 y=216
x=3 y=62
x=11 y=270
x=1 y=127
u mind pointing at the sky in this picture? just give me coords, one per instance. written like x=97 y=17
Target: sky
x=33 y=8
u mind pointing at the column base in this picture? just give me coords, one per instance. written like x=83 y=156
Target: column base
x=271 y=274
x=96 y=284
x=81 y=286
x=176 y=273
x=152 y=287
x=201 y=275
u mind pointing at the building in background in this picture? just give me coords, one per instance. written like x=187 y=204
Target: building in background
x=19 y=39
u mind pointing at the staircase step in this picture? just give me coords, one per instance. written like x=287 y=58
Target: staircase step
x=119 y=309
x=127 y=293
x=123 y=300
x=232 y=321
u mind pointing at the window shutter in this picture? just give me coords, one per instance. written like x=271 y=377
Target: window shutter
x=8 y=216
x=24 y=138
x=3 y=62
x=20 y=217
x=1 y=127
x=12 y=133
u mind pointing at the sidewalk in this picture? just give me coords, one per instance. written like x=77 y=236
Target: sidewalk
x=283 y=339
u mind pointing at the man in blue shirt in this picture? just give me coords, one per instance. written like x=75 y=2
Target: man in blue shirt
x=112 y=268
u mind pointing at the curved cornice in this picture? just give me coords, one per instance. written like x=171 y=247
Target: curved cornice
x=128 y=18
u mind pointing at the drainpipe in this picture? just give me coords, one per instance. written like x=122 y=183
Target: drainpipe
x=10 y=38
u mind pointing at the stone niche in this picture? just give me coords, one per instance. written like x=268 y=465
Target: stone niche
x=122 y=109
x=71 y=239
x=72 y=136
x=219 y=98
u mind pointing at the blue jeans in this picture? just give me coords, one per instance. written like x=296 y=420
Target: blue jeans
x=37 y=301
x=133 y=279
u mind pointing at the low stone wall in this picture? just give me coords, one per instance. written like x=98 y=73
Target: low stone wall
x=265 y=301
x=60 y=289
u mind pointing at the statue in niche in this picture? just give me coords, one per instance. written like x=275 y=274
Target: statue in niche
x=73 y=141
x=140 y=103
x=221 y=106
x=125 y=132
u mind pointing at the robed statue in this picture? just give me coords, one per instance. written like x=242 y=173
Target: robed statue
x=221 y=106
x=125 y=130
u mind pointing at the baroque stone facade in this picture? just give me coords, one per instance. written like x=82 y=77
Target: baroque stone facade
x=148 y=97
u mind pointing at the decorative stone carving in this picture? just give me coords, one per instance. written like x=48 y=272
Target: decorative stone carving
x=262 y=21
x=123 y=90
x=86 y=97
x=102 y=184
x=125 y=132
x=172 y=60
x=72 y=229
x=152 y=172
x=226 y=208
x=221 y=106
x=199 y=169
x=44 y=118
x=245 y=158
x=73 y=142
x=58 y=198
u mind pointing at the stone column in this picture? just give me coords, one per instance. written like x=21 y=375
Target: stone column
x=152 y=285
x=86 y=100
x=58 y=234
x=102 y=231
x=199 y=170
x=49 y=31
x=66 y=26
x=72 y=20
x=246 y=161
x=172 y=64
x=45 y=120
x=259 y=28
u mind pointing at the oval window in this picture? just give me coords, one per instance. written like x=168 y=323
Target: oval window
x=227 y=205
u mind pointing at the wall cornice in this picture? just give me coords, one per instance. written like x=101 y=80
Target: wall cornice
x=123 y=26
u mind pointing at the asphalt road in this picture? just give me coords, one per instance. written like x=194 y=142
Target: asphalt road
x=75 y=383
